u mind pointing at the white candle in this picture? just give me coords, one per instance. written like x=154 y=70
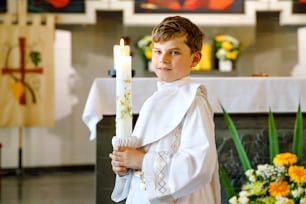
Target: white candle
x=123 y=95
x=120 y=50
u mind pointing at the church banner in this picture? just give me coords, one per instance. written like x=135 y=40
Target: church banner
x=26 y=72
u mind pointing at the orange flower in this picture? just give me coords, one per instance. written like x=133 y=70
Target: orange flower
x=297 y=174
x=285 y=159
x=280 y=188
x=288 y=202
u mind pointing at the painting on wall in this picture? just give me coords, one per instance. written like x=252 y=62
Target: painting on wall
x=2 y=6
x=299 y=6
x=189 y=6
x=56 y=6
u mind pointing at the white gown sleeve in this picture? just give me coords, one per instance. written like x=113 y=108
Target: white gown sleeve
x=122 y=187
x=193 y=165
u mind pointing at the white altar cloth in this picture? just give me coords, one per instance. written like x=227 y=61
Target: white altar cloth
x=236 y=94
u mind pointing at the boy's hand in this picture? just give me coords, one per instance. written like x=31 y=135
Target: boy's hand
x=127 y=157
x=117 y=168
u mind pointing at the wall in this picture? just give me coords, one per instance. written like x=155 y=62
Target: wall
x=268 y=47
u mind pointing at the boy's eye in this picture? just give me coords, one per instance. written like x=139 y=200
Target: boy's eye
x=174 y=52
x=155 y=51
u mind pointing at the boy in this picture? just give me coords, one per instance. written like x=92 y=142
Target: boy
x=176 y=159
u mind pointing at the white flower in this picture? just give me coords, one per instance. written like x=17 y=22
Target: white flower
x=297 y=192
x=249 y=172
x=142 y=43
x=252 y=178
x=233 y=200
x=243 y=194
x=233 y=40
x=265 y=171
x=303 y=201
x=243 y=200
x=221 y=54
x=282 y=200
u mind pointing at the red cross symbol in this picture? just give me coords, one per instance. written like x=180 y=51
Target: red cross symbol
x=22 y=70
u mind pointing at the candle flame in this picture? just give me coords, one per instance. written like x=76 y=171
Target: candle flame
x=122 y=42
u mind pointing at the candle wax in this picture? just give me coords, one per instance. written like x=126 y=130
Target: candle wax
x=124 y=97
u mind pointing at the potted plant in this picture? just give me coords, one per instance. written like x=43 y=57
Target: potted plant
x=227 y=51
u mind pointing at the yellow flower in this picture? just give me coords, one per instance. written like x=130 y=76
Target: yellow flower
x=297 y=174
x=227 y=45
x=148 y=54
x=285 y=159
x=220 y=38
x=232 y=55
x=280 y=188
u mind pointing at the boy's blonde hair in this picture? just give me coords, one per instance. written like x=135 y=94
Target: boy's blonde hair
x=176 y=26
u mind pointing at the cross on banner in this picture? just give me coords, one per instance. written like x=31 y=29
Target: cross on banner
x=22 y=71
x=27 y=69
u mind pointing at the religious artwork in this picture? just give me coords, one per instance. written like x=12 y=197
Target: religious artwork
x=299 y=6
x=189 y=6
x=2 y=6
x=57 y=6
x=26 y=74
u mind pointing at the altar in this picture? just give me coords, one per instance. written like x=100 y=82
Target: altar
x=236 y=94
x=246 y=99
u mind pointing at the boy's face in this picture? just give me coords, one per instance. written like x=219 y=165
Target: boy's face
x=172 y=59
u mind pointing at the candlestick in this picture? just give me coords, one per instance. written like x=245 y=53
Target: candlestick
x=123 y=94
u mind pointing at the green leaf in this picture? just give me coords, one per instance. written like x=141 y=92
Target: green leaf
x=273 y=138
x=297 y=147
x=239 y=147
x=35 y=57
x=228 y=187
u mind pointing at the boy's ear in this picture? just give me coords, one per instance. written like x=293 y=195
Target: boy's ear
x=196 y=58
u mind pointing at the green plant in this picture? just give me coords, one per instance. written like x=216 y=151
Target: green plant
x=274 y=151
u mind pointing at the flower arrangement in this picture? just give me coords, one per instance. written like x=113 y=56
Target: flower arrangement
x=282 y=182
x=226 y=47
x=145 y=46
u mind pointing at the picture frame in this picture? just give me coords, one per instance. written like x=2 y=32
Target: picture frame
x=299 y=6
x=188 y=6
x=70 y=6
x=3 y=6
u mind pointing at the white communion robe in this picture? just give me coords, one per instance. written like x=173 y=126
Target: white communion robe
x=176 y=129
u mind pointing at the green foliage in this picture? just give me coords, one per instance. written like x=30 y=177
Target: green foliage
x=297 y=147
x=235 y=136
x=273 y=139
x=226 y=182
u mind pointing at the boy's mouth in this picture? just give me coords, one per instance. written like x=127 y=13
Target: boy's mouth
x=164 y=68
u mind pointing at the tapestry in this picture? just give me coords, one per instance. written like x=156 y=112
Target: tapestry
x=26 y=72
